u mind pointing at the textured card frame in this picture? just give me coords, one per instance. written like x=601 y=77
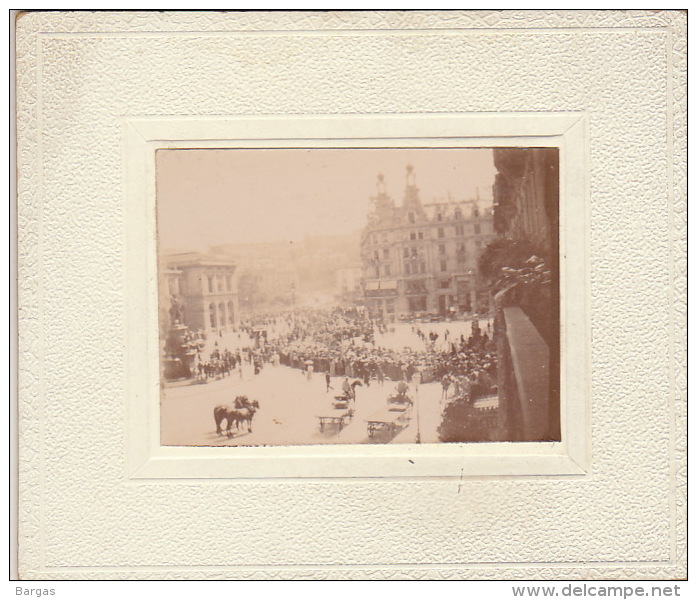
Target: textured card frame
x=149 y=460
x=82 y=76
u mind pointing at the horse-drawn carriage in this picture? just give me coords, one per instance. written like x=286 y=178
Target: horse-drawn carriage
x=396 y=415
x=340 y=414
x=341 y=401
x=337 y=416
x=399 y=402
x=242 y=413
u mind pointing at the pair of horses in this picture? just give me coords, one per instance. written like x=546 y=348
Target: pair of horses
x=242 y=413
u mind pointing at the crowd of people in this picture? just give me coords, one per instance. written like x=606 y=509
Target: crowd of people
x=341 y=342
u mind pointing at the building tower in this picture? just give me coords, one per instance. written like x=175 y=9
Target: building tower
x=411 y=203
x=383 y=205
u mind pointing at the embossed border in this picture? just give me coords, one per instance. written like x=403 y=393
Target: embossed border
x=30 y=345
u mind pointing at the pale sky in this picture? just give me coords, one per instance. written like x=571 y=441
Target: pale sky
x=209 y=197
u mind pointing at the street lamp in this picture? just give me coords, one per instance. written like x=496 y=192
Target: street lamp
x=418 y=422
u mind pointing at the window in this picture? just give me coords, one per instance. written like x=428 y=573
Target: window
x=441 y=248
x=422 y=267
x=389 y=305
x=421 y=235
x=459 y=230
x=231 y=313
x=213 y=316
x=417 y=303
x=477 y=228
x=411 y=217
x=478 y=243
x=388 y=270
x=412 y=235
x=443 y=266
x=416 y=286
x=439 y=217
x=210 y=286
x=228 y=281
x=407 y=268
x=441 y=232
x=376 y=256
x=444 y=284
x=386 y=253
x=377 y=272
x=475 y=212
x=458 y=213
x=406 y=253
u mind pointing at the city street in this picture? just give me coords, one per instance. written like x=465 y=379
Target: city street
x=290 y=405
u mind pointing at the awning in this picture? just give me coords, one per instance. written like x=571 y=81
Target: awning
x=372 y=285
x=388 y=284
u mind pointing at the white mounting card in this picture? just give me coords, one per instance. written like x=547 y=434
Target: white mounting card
x=98 y=93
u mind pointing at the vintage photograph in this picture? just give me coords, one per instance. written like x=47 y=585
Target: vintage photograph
x=358 y=295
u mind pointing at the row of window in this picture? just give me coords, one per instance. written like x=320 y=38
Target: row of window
x=413 y=252
x=418 y=303
x=464 y=302
x=419 y=235
x=415 y=267
x=219 y=283
x=218 y=316
x=439 y=216
x=388 y=304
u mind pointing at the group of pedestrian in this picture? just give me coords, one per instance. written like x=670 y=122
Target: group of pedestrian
x=339 y=342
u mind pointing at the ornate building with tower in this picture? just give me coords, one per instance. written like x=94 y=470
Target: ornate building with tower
x=422 y=258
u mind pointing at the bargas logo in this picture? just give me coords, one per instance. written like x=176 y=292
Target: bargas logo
x=38 y=592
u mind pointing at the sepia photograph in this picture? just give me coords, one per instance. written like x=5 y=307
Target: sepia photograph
x=358 y=296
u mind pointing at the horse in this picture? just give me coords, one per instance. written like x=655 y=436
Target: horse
x=353 y=386
x=245 y=415
x=242 y=402
x=243 y=412
x=220 y=413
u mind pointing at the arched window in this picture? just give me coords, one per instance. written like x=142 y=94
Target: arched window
x=213 y=316
x=221 y=314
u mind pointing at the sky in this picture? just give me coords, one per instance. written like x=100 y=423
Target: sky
x=225 y=196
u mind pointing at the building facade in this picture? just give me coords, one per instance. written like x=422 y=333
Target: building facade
x=198 y=291
x=348 y=283
x=422 y=258
x=527 y=322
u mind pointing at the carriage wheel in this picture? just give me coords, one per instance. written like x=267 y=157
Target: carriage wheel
x=341 y=424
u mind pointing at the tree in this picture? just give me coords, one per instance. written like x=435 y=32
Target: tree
x=461 y=423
